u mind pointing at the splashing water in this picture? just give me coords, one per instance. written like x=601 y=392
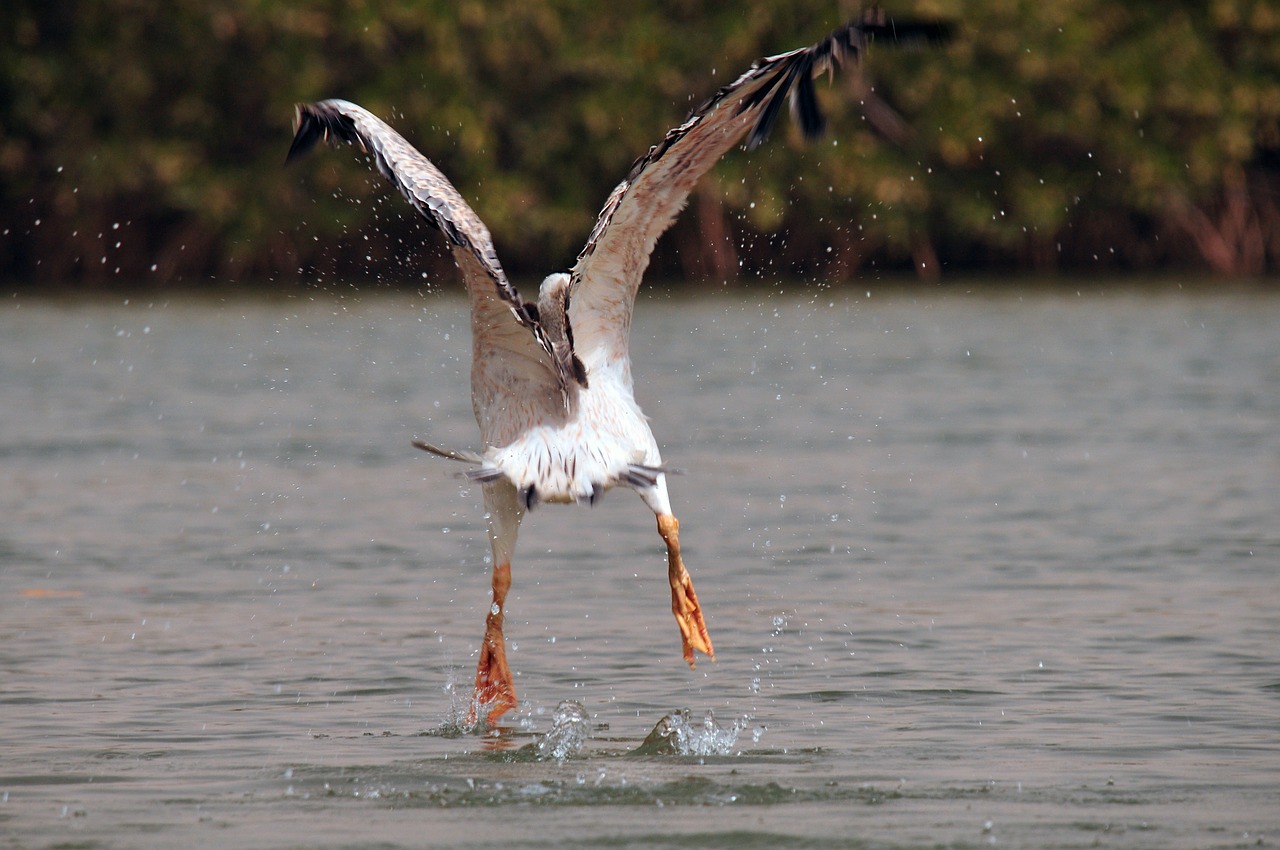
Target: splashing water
x=465 y=716
x=569 y=731
x=677 y=734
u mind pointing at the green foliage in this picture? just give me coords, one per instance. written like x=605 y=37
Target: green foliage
x=1082 y=134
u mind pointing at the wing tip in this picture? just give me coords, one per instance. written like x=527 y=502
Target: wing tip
x=850 y=39
x=906 y=31
x=309 y=128
x=324 y=120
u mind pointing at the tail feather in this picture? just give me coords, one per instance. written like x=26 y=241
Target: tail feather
x=460 y=455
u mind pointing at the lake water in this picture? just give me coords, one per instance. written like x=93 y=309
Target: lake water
x=980 y=570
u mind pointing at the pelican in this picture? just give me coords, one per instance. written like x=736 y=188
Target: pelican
x=551 y=383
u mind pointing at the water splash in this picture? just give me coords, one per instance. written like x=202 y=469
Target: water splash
x=677 y=734
x=570 y=728
x=455 y=725
x=466 y=715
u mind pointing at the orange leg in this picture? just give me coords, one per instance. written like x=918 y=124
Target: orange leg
x=684 y=602
x=494 y=686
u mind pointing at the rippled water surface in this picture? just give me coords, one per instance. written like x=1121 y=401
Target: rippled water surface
x=979 y=570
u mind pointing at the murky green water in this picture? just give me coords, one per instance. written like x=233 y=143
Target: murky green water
x=979 y=570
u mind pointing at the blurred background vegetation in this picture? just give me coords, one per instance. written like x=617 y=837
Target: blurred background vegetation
x=144 y=141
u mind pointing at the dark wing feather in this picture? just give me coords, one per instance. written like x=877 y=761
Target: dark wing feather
x=417 y=178
x=434 y=197
x=610 y=267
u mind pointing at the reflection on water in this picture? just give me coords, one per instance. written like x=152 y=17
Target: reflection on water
x=978 y=570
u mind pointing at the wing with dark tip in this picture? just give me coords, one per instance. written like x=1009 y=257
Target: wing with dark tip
x=515 y=330
x=610 y=267
x=417 y=178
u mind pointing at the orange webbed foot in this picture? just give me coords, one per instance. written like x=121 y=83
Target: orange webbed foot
x=684 y=601
x=495 y=687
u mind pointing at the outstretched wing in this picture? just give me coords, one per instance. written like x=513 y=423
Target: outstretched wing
x=503 y=324
x=643 y=206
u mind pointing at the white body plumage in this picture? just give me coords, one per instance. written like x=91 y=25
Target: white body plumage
x=575 y=457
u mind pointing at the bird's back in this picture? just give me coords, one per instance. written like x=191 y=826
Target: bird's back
x=559 y=455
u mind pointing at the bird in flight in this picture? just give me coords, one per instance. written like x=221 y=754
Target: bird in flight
x=551 y=383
